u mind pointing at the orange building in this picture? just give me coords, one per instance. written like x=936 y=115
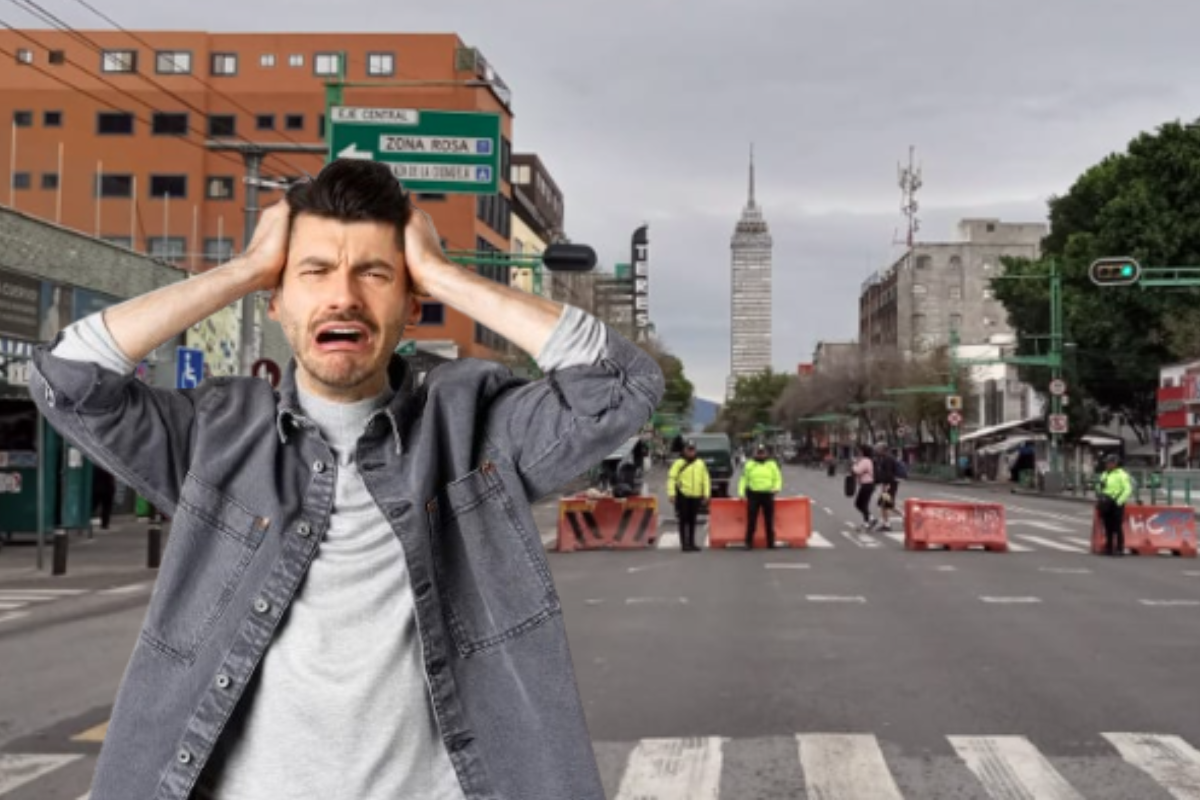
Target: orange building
x=127 y=136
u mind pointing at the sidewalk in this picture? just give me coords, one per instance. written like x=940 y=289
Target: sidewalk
x=119 y=552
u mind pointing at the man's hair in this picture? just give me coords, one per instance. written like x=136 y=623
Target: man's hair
x=351 y=190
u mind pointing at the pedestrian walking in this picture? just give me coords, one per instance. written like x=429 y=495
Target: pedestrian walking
x=688 y=487
x=104 y=492
x=1113 y=490
x=864 y=476
x=761 y=481
x=886 y=471
x=354 y=600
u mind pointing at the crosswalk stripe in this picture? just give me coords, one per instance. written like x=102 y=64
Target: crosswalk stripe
x=26 y=598
x=1011 y=768
x=1053 y=544
x=1086 y=544
x=16 y=770
x=13 y=616
x=817 y=540
x=845 y=767
x=1013 y=547
x=668 y=541
x=12 y=606
x=673 y=769
x=1170 y=760
x=47 y=592
x=895 y=536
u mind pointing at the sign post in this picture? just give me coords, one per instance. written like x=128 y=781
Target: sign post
x=438 y=152
x=189 y=367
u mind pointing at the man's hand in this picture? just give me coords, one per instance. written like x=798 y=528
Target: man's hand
x=263 y=261
x=423 y=252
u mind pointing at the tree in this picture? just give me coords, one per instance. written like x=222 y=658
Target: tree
x=752 y=401
x=679 y=391
x=1143 y=203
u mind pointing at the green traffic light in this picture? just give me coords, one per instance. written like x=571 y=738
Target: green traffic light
x=1127 y=271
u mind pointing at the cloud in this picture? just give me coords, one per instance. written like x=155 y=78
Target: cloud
x=643 y=110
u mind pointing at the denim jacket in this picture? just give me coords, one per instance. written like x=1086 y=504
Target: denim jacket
x=249 y=485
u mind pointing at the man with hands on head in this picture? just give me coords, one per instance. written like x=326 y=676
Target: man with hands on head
x=354 y=599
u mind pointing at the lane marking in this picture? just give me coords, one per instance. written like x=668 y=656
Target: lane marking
x=13 y=615
x=49 y=592
x=1011 y=768
x=641 y=601
x=21 y=597
x=1066 y=570
x=1186 y=603
x=93 y=734
x=1010 y=600
x=1170 y=760
x=829 y=511
x=594 y=601
x=130 y=589
x=817 y=540
x=644 y=567
x=835 y=598
x=845 y=767
x=785 y=566
x=12 y=606
x=17 y=770
x=1053 y=544
x=672 y=769
x=1192 y=573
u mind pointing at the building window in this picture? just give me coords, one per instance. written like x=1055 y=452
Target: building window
x=432 y=314
x=521 y=174
x=50 y=181
x=956 y=322
x=118 y=61
x=168 y=248
x=919 y=289
x=381 y=64
x=991 y=228
x=924 y=262
x=296 y=60
x=21 y=180
x=266 y=60
x=956 y=293
x=955 y=262
x=173 y=62
x=224 y=63
x=321 y=126
x=24 y=56
x=326 y=64
x=23 y=119
x=222 y=125
x=294 y=122
x=173 y=186
x=429 y=197
x=218 y=187
x=218 y=251
x=505 y=158
x=58 y=57
x=265 y=122
x=52 y=119
x=169 y=124
x=114 y=185
x=114 y=123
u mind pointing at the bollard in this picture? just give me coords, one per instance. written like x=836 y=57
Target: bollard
x=154 y=541
x=61 y=540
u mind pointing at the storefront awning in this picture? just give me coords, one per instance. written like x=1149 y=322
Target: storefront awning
x=996 y=430
x=1011 y=443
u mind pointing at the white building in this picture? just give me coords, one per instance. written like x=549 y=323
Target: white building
x=750 y=351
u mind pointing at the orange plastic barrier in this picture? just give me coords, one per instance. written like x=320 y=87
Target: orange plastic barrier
x=1150 y=530
x=954 y=526
x=607 y=523
x=727 y=523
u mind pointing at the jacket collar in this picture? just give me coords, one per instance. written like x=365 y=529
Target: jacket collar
x=289 y=415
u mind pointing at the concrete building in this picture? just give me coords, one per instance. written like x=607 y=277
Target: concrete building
x=829 y=356
x=750 y=350
x=120 y=135
x=938 y=287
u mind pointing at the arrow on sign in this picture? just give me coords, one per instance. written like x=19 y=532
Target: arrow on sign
x=353 y=152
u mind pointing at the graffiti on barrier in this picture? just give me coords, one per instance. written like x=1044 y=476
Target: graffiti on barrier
x=933 y=523
x=1170 y=525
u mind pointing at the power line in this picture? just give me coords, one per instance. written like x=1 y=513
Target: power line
x=33 y=8
x=191 y=75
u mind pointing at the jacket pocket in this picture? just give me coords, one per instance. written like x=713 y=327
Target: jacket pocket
x=213 y=538
x=494 y=584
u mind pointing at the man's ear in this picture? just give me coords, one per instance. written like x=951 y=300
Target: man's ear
x=414 y=312
x=273 y=305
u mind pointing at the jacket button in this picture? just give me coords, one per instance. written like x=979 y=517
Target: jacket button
x=303 y=529
x=262 y=606
x=183 y=756
x=263 y=523
x=318 y=466
x=223 y=681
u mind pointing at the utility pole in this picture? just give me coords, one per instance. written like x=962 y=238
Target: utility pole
x=253 y=154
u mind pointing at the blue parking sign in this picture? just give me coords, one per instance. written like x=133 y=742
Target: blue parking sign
x=189 y=367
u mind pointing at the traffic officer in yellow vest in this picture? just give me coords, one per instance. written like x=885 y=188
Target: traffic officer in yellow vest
x=1114 y=490
x=761 y=481
x=688 y=486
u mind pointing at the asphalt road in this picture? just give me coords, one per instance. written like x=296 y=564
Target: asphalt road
x=847 y=671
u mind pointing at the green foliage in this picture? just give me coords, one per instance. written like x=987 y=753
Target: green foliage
x=753 y=398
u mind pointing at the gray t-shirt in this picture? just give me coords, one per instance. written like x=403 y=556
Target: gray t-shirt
x=341 y=707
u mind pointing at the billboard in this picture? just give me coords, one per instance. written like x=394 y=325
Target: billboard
x=640 y=262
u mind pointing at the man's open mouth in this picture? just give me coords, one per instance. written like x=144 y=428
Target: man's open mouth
x=342 y=336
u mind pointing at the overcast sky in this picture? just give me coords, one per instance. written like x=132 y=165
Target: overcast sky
x=644 y=109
